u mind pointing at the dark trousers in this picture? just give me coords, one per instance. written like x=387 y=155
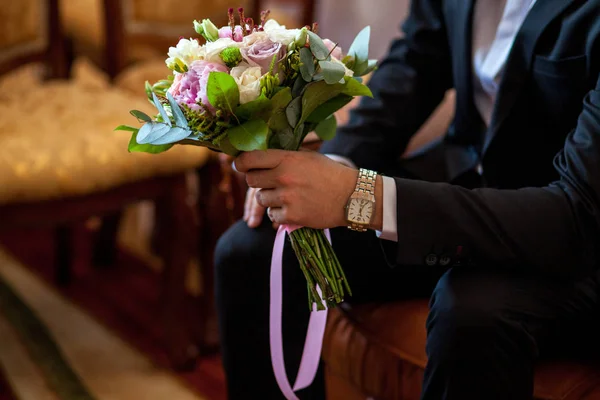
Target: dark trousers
x=486 y=329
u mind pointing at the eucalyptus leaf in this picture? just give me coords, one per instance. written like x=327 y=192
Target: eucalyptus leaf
x=360 y=51
x=328 y=108
x=326 y=129
x=299 y=86
x=173 y=135
x=251 y=135
x=142 y=116
x=258 y=108
x=307 y=64
x=332 y=72
x=135 y=147
x=317 y=47
x=180 y=119
x=293 y=111
x=126 y=128
x=151 y=131
x=161 y=110
x=222 y=91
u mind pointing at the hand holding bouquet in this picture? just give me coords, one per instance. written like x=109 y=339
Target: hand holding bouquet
x=257 y=86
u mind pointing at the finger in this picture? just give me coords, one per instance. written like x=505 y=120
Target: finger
x=277 y=215
x=275 y=225
x=258 y=159
x=256 y=214
x=263 y=179
x=269 y=198
x=248 y=203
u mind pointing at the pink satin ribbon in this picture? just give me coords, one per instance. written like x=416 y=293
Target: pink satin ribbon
x=314 y=335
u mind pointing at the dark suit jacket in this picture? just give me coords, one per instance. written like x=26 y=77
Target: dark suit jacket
x=541 y=155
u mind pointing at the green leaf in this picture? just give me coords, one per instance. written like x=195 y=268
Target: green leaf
x=148 y=89
x=332 y=72
x=326 y=129
x=180 y=119
x=222 y=91
x=318 y=48
x=126 y=128
x=355 y=88
x=293 y=111
x=161 y=110
x=134 y=146
x=281 y=98
x=328 y=108
x=318 y=93
x=278 y=121
x=141 y=115
x=252 y=135
x=307 y=64
x=360 y=51
x=372 y=65
x=286 y=139
x=255 y=108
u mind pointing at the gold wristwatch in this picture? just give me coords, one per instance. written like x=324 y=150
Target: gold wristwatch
x=360 y=208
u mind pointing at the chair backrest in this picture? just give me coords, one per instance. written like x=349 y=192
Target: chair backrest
x=30 y=32
x=292 y=13
x=135 y=28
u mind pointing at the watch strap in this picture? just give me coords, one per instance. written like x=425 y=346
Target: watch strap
x=365 y=186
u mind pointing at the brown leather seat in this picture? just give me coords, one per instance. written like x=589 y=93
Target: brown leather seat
x=378 y=351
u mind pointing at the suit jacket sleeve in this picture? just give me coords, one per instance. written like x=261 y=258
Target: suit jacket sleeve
x=408 y=85
x=555 y=229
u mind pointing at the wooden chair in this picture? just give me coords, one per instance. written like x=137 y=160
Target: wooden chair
x=283 y=8
x=61 y=162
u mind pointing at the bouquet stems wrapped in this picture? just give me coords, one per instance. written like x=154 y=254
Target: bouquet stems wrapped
x=256 y=86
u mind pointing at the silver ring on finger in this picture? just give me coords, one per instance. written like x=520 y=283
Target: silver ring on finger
x=269 y=214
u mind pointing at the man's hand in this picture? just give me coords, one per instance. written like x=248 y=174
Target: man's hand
x=301 y=188
x=254 y=212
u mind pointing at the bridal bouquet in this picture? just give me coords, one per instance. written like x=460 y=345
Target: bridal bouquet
x=257 y=86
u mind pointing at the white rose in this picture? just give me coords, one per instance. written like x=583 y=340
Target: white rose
x=187 y=50
x=253 y=38
x=213 y=49
x=248 y=81
x=278 y=33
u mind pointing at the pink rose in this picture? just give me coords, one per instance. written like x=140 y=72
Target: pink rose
x=261 y=53
x=175 y=88
x=337 y=50
x=225 y=32
x=190 y=88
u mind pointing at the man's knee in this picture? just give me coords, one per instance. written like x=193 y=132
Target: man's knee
x=241 y=247
x=468 y=318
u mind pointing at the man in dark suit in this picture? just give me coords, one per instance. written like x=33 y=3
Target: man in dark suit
x=506 y=241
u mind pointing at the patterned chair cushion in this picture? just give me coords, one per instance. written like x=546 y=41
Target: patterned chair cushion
x=57 y=140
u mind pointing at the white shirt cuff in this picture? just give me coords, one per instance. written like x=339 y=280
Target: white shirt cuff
x=390 y=224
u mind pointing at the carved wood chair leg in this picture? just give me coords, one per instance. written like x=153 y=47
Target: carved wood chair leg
x=104 y=252
x=179 y=231
x=63 y=242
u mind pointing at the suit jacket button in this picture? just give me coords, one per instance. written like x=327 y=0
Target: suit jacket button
x=445 y=260
x=431 y=259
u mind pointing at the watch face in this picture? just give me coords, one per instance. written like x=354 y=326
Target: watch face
x=360 y=211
